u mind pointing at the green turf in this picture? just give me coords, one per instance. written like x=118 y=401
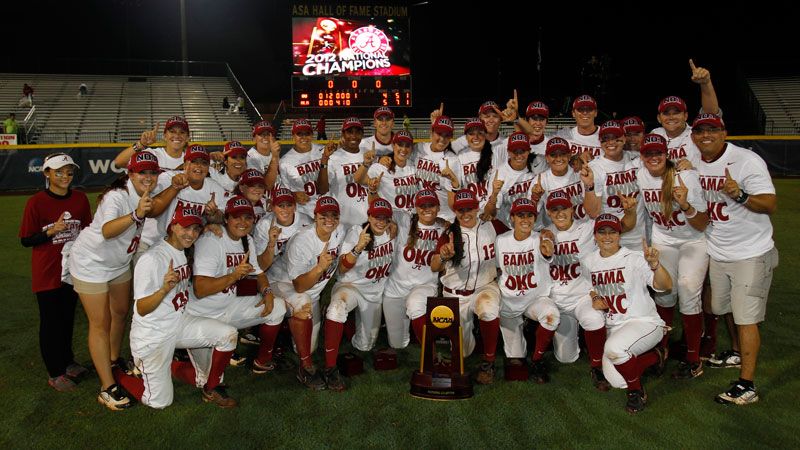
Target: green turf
x=377 y=410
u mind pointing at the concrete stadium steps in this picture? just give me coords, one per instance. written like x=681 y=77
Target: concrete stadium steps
x=779 y=97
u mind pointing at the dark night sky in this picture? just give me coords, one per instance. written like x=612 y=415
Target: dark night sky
x=460 y=55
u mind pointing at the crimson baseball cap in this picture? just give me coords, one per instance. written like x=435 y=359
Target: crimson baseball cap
x=465 y=199
x=326 y=204
x=234 y=148
x=196 y=151
x=443 y=126
x=584 y=101
x=426 y=197
x=402 y=136
x=518 y=141
x=262 y=126
x=708 y=119
x=632 y=124
x=380 y=208
x=607 y=220
x=143 y=160
x=301 y=125
x=238 y=206
x=281 y=194
x=671 y=102
x=523 y=204
x=351 y=122
x=653 y=143
x=558 y=198
x=383 y=111
x=612 y=127
x=176 y=121
x=252 y=177
x=556 y=144
x=537 y=109
x=474 y=122
x=488 y=107
x=186 y=217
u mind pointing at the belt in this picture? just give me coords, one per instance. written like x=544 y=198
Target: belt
x=458 y=291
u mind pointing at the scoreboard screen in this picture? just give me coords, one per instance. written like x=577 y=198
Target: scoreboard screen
x=350 y=56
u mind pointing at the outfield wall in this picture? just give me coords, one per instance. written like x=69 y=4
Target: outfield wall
x=21 y=165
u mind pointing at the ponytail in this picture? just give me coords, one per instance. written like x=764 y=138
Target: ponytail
x=667 y=184
x=458 y=243
x=485 y=161
x=120 y=183
x=412 y=232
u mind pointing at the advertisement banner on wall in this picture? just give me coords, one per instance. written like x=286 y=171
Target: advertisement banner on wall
x=8 y=139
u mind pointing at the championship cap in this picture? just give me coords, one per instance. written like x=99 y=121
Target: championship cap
x=537 y=109
x=234 y=148
x=186 y=217
x=488 y=107
x=326 y=204
x=262 y=126
x=238 y=206
x=613 y=127
x=402 y=136
x=474 y=122
x=653 y=143
x=518 y=141
x=281 y=194
x=607 y=220
x=632 y=124
x=443 y=125
x=426 y=197
x=196 y=151
x=143 y=160
x=523 y=204
x=58 y=161
x=584 y=101
x=671 y=102
x=252 y=177
x=301 y=125
x=465 y=199
x=351 y=122
x=558 y=198
x=380 y=208
x=176 y=121
x=709 y=119
x=556 y=144
x=383 y=111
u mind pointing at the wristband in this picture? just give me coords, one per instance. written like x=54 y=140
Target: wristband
x=323 y=165
x=356 y=253
x=136 y=218
x=589 y=188
x=265 y=291
x=684 y=210
x=137 y=147
x=742 y=198
x=656 y=267
x=688 y=216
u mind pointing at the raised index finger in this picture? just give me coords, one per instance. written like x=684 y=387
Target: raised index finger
x=728 y=174
x=691 y=65
x=155 y=128
x=325 y=248
x=170 y=269
x=515 y=96
x=644 y=246
x=680 y=181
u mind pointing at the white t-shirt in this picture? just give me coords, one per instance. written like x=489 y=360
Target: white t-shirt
x=622 y=279
x=570 y=184
x=516 y=184
x=299 y=173
x=524 y=273
x=148 y=278
x=674 y=230
x=166 y=162
x=478 y=267
x=352 y=197
x=499 y=148
x=612 y=178
x=226 y=183
x=469 y=173
x=96 y=259
x=196 y=199
x=380 y=148
x=411 y=266
x=429 y=165
x=681 y=146
x=216 y=257
x=579 y=143
x=736 y=233
x=256 y=160
x=372 y=267
x=570 y=282
x=261 y=237
x=398 y=188
x=302 y=254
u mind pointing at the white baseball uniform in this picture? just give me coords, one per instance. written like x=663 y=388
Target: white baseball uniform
x=362 y=286
x=399 y=187
x=381 y=149
x=352 y=197
x=525 y=288
x=277 y=271
x=195 y=199
x=579 y=143
x=681 y=146
x=155 y=336
x=299 y=173
x=612 y=178
x=429 y=165
x=516 y=184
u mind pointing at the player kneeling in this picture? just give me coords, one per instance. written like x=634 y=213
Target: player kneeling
x=525 y=286
x=229 y=285
x=161 y=323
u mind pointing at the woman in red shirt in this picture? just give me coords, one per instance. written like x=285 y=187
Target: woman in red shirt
x=51 y=221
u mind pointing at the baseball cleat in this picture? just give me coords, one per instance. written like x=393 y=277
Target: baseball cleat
x=738 y=394
x=539 y=372
x=219 y=396
x=687 y=371
x=259 y=368
x=237 y=360
x=62 y=383
x=334 y=380
x=727 y=359
x=599 y=380
x=310 y=378
x=485 y=373
x=126 y=366
x=249 y=338
x=115 y=398
x=658 y=369
x=636 y=401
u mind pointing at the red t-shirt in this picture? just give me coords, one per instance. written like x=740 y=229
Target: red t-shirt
x=41 y=212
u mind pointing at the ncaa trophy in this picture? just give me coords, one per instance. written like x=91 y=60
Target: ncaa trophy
x=441 y=367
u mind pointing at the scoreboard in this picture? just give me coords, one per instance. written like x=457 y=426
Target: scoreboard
x=352 y=91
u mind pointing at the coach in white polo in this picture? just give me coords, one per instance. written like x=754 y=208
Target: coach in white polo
x=740 y=196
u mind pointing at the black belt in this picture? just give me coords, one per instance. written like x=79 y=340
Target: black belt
x=458 y=291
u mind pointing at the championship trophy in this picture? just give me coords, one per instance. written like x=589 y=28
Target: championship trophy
x=441 y=367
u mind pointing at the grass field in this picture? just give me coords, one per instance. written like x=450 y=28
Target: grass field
x=378 y=412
